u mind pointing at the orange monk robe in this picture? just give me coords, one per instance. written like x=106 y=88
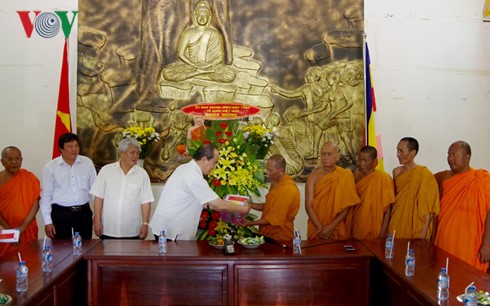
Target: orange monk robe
x=17 y=196
x=334 y=192
x=465 y=201
x=280 y=209
x=199 y=133
x=416 y=195
x=377 y=192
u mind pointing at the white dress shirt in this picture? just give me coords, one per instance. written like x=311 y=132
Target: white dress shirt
x=66 y=185
x=123 y=195
x=181 y=203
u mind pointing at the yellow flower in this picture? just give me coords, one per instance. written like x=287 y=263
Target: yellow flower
x=223 y=152
x=227 y=163
x=219 y=173
x=221 y=227
x=144 y=136
x=234 y=171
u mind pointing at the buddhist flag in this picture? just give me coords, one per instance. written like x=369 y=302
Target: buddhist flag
x=63 y=119
x=371 y=138
x=486 y=11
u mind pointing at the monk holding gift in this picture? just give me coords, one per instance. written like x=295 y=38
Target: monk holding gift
x=19 y=198
x=281 y=203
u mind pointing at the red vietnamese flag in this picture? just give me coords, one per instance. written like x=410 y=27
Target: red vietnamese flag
x=63 y=118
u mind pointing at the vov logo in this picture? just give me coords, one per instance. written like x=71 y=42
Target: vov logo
x=47 y=24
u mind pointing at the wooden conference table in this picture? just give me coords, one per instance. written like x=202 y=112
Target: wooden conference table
x=116 y=272
x=65 y=285
x=194 y=273
x=391 y=287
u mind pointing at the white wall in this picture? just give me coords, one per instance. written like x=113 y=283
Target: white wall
x=431 y=71
x=29 y=81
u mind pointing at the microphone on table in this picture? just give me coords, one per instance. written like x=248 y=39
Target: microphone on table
x=273 y=241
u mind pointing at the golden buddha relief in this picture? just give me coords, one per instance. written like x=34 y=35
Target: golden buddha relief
x=200 y=51
x=299 y=61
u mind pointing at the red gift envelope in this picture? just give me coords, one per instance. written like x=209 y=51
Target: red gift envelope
x=237 y=199
x=9 y=235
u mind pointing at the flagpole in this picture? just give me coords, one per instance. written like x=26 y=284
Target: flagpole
x=63 y=116
x=364 y=35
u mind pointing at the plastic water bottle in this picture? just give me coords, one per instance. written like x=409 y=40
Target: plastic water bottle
x=22 y=277
x=410 y=263
x=389 y=247
x=229 y=248
x=297 y=242
x=471 y=297
x=77 y=244
x=47 y=259
x=443 y=285
x=162 y=243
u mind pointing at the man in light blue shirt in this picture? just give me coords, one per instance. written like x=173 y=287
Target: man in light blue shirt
x=65 y=196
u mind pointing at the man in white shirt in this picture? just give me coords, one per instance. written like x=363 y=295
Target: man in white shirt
x=65 y=191
x=185 y=194
x=123 y=195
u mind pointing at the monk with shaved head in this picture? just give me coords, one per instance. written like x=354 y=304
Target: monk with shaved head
x=281 y=203
x=330 y=195
x=19 y=198
x=416 y=195
x=377 y=193
x=464 y=225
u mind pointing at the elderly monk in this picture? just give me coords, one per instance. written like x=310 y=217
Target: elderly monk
x=377 y=193
x=281 y=203
x=464 y=225
x=416 y=195
x=330 y=194
x=19 y=198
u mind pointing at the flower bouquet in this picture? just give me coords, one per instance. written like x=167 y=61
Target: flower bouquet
x=145 y=137
x=213 y=228
x=237 y=172
x=261 y=136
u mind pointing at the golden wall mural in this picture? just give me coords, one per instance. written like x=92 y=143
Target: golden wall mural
x=299 y=61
